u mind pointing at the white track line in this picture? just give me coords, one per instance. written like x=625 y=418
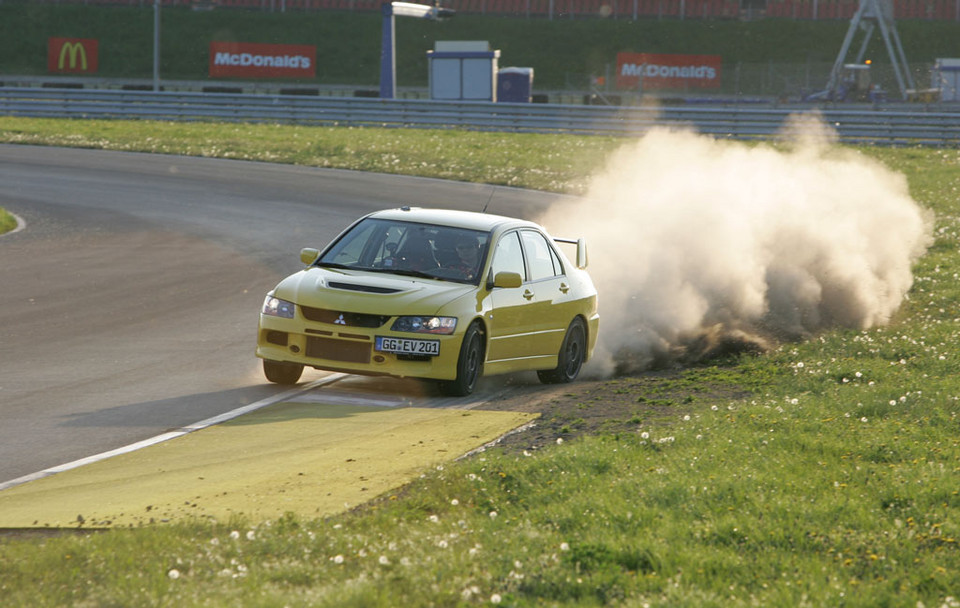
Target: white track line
x=173 y=434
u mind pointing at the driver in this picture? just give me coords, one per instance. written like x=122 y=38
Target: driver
x=468 y=255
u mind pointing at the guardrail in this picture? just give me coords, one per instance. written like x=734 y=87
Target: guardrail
x=885 y=125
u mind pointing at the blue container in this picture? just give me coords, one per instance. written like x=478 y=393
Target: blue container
x=515 y=85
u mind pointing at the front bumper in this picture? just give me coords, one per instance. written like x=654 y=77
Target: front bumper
x=333 y=347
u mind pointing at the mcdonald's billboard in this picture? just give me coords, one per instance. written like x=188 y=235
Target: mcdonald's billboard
x=258 y=60
x=73 y=55
x=656 y=71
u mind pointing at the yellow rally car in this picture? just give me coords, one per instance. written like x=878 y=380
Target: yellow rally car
x=435 y=294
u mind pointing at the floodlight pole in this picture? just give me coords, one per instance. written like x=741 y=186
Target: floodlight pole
x=388 y=60
x=156 y=45
x=388 y=47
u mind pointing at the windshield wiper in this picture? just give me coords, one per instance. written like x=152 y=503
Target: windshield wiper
x=413 y=273
x=334 y=265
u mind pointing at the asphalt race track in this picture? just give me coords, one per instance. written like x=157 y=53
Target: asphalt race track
x=128 y=304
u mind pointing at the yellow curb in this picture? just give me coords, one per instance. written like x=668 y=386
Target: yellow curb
x=309 y=459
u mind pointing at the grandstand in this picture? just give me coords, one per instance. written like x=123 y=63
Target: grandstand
x=941 y=10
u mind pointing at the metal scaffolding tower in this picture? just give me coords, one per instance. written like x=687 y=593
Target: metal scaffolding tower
x=870 y=15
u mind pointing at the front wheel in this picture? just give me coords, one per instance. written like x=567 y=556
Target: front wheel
x=282 y=373
x=469 y=365
x=572 y=353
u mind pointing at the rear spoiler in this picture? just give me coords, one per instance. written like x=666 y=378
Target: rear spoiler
x=581 y=250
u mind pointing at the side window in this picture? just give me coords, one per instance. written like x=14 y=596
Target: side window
x=539 y=255
x=508 y=256
x=557 y=265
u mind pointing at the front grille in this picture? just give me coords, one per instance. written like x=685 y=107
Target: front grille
x=338 y=350
x=346 y=319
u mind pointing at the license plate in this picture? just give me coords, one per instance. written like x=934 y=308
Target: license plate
x=406 y=346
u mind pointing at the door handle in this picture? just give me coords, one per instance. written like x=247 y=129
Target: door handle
x=528 y=294
x=564 y=287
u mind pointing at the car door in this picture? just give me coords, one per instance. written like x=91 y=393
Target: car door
x=550 y=309
x=510 y=316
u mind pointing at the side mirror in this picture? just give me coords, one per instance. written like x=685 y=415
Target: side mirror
x=507 y=280
x=309 y=255
x=581 y=254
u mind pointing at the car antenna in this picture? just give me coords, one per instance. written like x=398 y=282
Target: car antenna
x=492 y=192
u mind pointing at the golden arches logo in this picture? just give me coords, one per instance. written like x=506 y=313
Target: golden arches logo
x=73 y=50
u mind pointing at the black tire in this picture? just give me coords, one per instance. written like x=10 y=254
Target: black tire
x=282 y=373
x=572 y=354
x=469 y=364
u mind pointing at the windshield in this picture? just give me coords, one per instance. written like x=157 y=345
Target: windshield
x=410 y=249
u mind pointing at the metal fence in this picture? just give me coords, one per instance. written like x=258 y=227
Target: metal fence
x=902 y=124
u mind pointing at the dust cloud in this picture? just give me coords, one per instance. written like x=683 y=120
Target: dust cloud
x=701 y=246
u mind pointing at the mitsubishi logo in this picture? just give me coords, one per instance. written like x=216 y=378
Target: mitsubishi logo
x=340 y=320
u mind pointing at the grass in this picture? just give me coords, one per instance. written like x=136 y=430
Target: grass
x=7 y=221
x=836 y=482
x=543 y=162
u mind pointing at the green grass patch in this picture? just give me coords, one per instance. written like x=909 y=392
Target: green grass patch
x=559 y=163
x=7 y=221
x=834 y=480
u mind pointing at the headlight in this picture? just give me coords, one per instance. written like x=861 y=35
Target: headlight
x=275 y=307
x=425 y=325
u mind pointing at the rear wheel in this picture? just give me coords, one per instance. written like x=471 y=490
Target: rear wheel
x=282 y=373
x=469 y=365
x=572 y=353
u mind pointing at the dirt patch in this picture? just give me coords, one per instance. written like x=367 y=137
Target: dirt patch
x=628 y=404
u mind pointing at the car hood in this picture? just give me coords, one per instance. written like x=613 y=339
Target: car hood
x=368 y=292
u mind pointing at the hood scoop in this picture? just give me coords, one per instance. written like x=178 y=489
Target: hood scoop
x=363 y=288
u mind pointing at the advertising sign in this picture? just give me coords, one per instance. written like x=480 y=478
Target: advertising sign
x=72 y=55
x=254 y=60
x=649 y=71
